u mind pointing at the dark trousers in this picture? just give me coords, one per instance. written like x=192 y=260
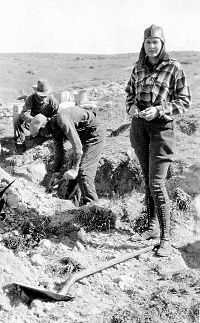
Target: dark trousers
x=153 y=143
x=93 y=140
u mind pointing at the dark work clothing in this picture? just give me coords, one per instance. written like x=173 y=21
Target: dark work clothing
x=33 y=106
x=93 y=143
x=153 y=144
x=48 y=107
x=164 y=86
x=72 y=123
x=86 y=133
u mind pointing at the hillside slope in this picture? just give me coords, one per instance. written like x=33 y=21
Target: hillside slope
x=44 y=238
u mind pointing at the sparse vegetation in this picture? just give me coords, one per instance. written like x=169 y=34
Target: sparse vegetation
x=188 y=124
x=142 y=290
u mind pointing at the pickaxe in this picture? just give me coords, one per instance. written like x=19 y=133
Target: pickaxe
x=2 y=201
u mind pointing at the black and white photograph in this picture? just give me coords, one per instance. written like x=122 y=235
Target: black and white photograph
x=100 y=161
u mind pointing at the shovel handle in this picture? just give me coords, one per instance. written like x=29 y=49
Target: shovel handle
x=95 y=269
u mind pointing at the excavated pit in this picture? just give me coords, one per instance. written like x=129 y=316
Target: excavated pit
x=95 y=234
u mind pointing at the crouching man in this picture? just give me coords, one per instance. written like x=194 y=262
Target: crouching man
x=86 y=133
x=41 y=101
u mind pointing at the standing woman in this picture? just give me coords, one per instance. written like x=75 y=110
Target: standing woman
x=157 y=90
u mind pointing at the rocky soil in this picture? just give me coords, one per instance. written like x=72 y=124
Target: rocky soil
x=44 y=239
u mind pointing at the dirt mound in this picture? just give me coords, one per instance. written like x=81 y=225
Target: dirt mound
x=188 y=124
x=13 y=269
x=44 y=238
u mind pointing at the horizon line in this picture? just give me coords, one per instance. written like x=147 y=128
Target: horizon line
x=94 y=54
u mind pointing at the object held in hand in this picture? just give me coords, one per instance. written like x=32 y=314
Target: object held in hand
x=70 y=174
x=134 y=111
x=141 y=114
x=54 y=181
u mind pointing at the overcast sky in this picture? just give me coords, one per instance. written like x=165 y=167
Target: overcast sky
x=96 y=26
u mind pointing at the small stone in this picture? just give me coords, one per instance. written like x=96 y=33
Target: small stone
x=62 y=248
x=28 y=236
x=36 y=172
x=24 y=297
x=37 y=250
x=43 y=283
x=38 y=260
x=36 y=303
x=7 y=271
x=15 y=233
x=6 y=235
x=48 y=307
x=125 y=282
x=79 y=246
x=7 y=229
x=37 y=307
x=5 y=150
x=45 y=244
x=12 y=200
x=21 y=254
x=129 y=153
x=9 y=219
x=118 y=224
x=22 y=208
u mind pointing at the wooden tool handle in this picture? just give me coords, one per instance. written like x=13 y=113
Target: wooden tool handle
x=95 y=269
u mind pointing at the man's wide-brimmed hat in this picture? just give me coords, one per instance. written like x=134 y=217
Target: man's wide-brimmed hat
x=37 y=122
x=42 y=88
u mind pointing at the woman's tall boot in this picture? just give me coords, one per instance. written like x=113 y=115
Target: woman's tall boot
x=152 y=231
x=163 y=214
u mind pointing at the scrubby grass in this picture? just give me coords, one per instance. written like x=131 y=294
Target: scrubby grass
x=172 y=300
x=171 y=303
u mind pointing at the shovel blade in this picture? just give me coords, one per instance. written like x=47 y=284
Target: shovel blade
x=43 y=293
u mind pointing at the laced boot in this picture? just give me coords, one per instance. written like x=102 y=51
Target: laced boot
x=152 y=231
x=165 y=249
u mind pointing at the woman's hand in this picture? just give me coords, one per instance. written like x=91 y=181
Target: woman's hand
x=149 y=113
x=134 y=111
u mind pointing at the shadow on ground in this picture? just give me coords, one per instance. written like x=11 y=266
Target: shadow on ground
x=191 y=255
x=9 y=148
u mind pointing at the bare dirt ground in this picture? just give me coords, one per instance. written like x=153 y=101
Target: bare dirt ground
x=44 y=239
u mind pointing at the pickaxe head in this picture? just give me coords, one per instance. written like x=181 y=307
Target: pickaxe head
x=2 y=201
x=5 y=188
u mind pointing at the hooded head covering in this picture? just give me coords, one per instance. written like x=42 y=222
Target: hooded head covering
x=150 y=32
x=154 y=31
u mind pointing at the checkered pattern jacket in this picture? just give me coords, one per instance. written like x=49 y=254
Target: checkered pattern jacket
x=165 y=87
